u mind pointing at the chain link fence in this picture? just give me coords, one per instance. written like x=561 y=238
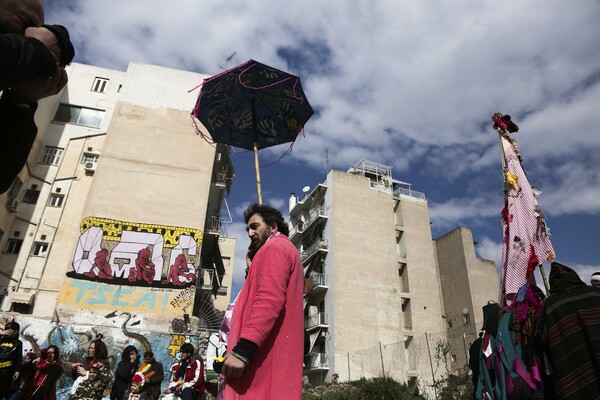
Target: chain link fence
x=424 y=360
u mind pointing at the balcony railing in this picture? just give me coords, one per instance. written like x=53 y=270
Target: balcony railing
x=319 y=361
x=313 y=215
x=409 y=192
x=318 y=279
x=317 y=319
x=221 y=180
x=317 y=246
x=215 y=225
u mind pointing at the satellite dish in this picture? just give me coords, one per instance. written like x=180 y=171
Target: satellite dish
x=305 y=189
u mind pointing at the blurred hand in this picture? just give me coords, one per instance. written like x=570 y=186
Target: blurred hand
x=80 y=370
x=41 y=88
x=16 y=376
x=232 y=366
x=46 y=37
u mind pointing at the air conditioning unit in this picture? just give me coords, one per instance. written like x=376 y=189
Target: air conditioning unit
x=90 y=166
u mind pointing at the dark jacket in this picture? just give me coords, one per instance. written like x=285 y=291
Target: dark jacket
x=123 y=375
x=152 y=385
x=23 y=60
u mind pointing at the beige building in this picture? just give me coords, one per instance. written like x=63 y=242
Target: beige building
x=375 y=279
x=118 y=210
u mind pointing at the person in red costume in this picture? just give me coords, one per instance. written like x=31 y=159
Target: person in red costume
x=144 y=268
x=179 y=268
x=266 y=336
x=101 y=268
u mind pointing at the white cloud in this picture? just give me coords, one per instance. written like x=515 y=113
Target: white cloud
x=409 y=83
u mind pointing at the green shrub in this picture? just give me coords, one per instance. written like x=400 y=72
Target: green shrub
x=364 y=389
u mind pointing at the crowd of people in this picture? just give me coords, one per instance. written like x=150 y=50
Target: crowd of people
x=35 y=376
x=541 y=346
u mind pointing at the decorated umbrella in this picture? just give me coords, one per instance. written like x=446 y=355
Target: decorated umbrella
x=253 y=106
x=526 y=239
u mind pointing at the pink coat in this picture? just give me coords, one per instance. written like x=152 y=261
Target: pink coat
x=269 y=312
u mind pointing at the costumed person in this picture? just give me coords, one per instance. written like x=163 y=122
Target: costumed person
x=48 y=370
x=154 y=373
x=474 y=354
x=135 y=391
x=28 y=371
x=595 y=279
x=11 y=358
x=188 y=377
x=91 y=388
x=265 y=352
x=31 y=68
x=510 y=367
x=570 y=330
x=126 y=369
x=97 y=354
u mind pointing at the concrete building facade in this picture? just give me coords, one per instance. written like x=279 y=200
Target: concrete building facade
x=375 y=278
x=116 y=215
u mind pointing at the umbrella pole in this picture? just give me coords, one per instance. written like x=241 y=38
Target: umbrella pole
x=257 y=168
x=544 y=279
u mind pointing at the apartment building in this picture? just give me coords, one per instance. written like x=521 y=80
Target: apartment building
x=375 y=278
x=113 y=225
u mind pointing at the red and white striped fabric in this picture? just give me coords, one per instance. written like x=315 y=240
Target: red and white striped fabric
x=526 y=241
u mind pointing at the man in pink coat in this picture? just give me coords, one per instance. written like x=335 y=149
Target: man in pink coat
x=264 y=359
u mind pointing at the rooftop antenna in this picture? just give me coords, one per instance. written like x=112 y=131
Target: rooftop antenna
x=227 y=61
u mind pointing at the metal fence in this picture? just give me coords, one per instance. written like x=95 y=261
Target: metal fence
x=425 y=360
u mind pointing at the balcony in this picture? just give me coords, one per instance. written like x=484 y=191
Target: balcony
x=407 y=191
x=318 y=361
x=214 y=225
x=316 y=284
x=316 y=247
x=317 y=320
x=314 y=215
x=221 y=180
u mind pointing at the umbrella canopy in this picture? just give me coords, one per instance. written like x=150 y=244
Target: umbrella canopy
x=253 y=104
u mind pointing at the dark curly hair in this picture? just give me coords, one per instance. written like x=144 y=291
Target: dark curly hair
x=269 y=214
x=127 y=351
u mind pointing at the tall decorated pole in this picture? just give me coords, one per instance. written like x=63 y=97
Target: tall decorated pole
x=526 y=237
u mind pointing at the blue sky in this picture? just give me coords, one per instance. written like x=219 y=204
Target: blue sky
x=411 y=84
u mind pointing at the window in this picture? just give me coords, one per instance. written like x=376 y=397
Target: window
x=79 y=115
x=56 y=200
x=99 y=85
x=14 y=188
x=40 y=249
x=31 y=195
x=13 y=246
x=51 y=156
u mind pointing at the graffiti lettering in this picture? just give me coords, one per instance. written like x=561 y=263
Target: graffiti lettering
x=87 y=292
x=184 y=299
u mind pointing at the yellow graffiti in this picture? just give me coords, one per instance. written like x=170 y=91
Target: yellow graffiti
x=112 y=230
x=176 y=342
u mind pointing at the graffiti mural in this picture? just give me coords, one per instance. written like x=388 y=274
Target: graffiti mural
x=98 y=298
x=73 y=340
x=136 y=254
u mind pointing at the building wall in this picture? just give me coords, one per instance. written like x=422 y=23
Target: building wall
x=363 y=261
x=142 y=204
x=468 y=282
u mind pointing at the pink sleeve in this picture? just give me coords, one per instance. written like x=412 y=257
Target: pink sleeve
x=273 y=270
